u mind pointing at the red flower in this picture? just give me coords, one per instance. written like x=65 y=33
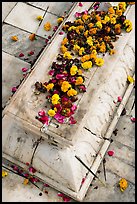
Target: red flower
x=72 y=120
x=41 y=113
x=21 y=55
x=24 y=69
x=80 y=4
x=110 y=153
x=119 y=99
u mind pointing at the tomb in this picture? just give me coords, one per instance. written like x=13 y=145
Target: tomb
x=52 y=149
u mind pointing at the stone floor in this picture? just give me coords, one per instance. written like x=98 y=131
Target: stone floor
x=120 y=165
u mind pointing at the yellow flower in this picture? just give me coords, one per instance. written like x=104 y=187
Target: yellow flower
x=99 y=62
x=123 y=184
x=111 y=10
x=93 y=56
x=85 y=58
x=119 y=12
x=55 y=99
x=85 y=17
x=112 y=52
x=122 y=5
x=79 y=80
x=103 y=47
x=76 y=48
x=107 y=19
x=39 y=18
x=130 y=79
x=73 y=70
x=26 y=181
x=113 y=20
x=129 y=29
x=63 y=49
x=79 y=72
x=65 y=41
x=81 y=51
x=4 y=173
x=14 y=38
x=90 y=41
x=86 y=65
x=60 y=20
x=47 y=26
x=65 y=86
x=86 y=33
x=99 y=25
x=94 y=52
x=51 y=112
x=72 y=92
x=67 y=55
x=49 y=86
x=90 y=25
x=72 y=28
x=79 y=21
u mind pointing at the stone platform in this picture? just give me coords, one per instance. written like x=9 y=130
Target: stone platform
x=54 y=157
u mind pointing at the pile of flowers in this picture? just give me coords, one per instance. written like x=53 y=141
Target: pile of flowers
x=87 y=40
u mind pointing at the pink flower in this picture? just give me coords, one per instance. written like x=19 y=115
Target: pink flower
x=41 y=113
x=86 y=12
x=26 y=175
x=44 y=120
x=14 y=89
x=82 y=88
x=21 y=55
x=32 y=170
x=80 y=4
x=51 y=72
x=119 y=99
x=110 y=153
x=74 y=107
x=60 y=76
x=64 y=99
x=72 y=120
x=55 y=92
x=133 y=119
x=60 y=118
x=24 y=69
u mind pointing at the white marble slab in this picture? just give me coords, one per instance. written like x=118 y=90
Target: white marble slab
x=6 y=8
x=11 y=74
x=24 y=16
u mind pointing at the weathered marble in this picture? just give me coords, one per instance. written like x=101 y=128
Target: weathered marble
x=56 y=164
x=23 y=45
x=6 y=8
x=24 y=16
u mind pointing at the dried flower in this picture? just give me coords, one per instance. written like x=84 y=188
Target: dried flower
x=32 y=36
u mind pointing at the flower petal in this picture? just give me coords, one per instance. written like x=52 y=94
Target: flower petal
x=110 y=152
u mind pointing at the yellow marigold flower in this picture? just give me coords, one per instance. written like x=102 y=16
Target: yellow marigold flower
x=93 y=31
x=26 y=181
x=73 y=70
x=103 y=48
x=90 y=25
x=49 y=86
x=81 y=51
x=55 y=99
x=107 y=19
x=60 y=20
x=127 y=23
x=76 y=48
x=14 y=38
x=67 y=55
x=90 y=41
x=119 y=12
x=63 y=49
x=65 y=86
x=93 y=56
x=85 y=58
x=72 y=28
x=79 y=21
x=86 y=33
x=65 y=41
x=122 y=6
x=123 y=184
x=111 y=10
x=47 y=26
x=99 y=62
x=79 y=80
x=51 y=112
x=99 y=25
x=113 y=20
x=129 y=29
x=112 y=52
x=130 y=79
x=86 y=65
x=4 y=173
x=80 y=72
x=72 y=92
x=94 y=52
x=39 y=18
x=85 y=17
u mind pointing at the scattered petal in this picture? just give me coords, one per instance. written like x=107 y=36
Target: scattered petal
x=61 y=33
x=119 y=99
x=4 y=173
x=14 y=89
x=80 y=4
x=123 y=112
x=32 y=170
x=72 y=120
x=27 y=163
x=130 y=79
x=77 y=14
x=83 y=180
x=41 y=113
x=110 y=153
x=133 y=119
x=39 y=18
x=14 y=38
x=24 y=69
x=46 y=185
x=123 y=184
x=31 y=53
x=32 y=36
x=26 y=181
x=21 y=55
